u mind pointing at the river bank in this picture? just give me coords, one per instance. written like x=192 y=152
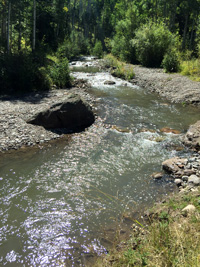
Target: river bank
x=15 y=111
x=174 y=87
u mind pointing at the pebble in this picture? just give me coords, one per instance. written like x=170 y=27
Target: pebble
x=194 y=180
x=185 y=178
x=178 y=182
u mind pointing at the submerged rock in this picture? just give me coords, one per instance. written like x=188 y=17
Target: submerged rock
x=157 y=175
x=109 y=82
x=169 y=130
x=73 y=114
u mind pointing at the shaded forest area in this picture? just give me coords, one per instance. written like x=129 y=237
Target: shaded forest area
x=38 y=37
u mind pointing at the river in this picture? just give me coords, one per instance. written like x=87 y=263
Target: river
x=62 y=205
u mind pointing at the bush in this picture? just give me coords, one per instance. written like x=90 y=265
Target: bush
x=120 y=69
x=98 y=49
x=151 y=42
x=59 y=73
x=22 y=73
x=74 y=46
x=171 y=61
x=121 y=45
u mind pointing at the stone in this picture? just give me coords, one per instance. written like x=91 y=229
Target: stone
x=188 y=172
x=185 y=178
x=189 y=209
x=178 y=182
x=170 y=165
x=169 y=130
x=194 y=180
x=192 y=137
x=109 y=82
x=157 y=175
x=73 y=114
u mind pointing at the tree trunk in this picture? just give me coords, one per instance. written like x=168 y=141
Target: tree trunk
x=34 y=24
x=20 y=34
x=8 y=28
x=3 y=26
x=192 y=34
x=185 y=32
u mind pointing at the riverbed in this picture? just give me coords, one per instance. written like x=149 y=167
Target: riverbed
x=71 y=200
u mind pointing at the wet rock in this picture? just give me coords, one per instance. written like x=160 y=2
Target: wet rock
x=169 y=130
x=109 y=82
x=120 y=129
x=178 y=182
x=192 y=137
x=188 y=172
x=171 y=165
x=73 y=114
x=194 y=180
x=157 y=175
x=143 y=130
x=185 y=178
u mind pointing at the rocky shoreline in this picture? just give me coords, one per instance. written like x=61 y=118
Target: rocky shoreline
x=15 y=111
x=174 y=87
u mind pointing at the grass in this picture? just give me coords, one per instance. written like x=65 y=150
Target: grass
x=171 y=239
x=191 y=68
x=119 y=69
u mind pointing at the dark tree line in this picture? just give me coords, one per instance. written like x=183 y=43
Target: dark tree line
x=68 y=28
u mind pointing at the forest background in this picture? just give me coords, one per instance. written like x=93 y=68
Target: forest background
x=39 y=37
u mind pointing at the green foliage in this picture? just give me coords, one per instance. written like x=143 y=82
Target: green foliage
x=59 y=73
x=98 y=49
x=191 y=68
x=152 y=41
x=20 y=73
x=119 y=69
x=74 y=46
x=171 y=62
x=121 y=45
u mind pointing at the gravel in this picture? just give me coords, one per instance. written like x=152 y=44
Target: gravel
x=15 y=111
x=174 y=87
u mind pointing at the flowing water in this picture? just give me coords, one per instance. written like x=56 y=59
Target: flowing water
x=61 y=205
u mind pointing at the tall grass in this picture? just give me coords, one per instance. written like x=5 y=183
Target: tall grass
x=119 y=69
x=191 y=68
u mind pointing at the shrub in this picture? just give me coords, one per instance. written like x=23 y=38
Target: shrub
x=121 y=45
x=22 y=73
x=59 y=73
x=74 y=46
x=98 y=49
x=171 y=61
x=120 y=69
x=151 y=42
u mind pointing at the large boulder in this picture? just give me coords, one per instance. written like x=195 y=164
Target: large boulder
x=192 y=137
x=73 y=114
